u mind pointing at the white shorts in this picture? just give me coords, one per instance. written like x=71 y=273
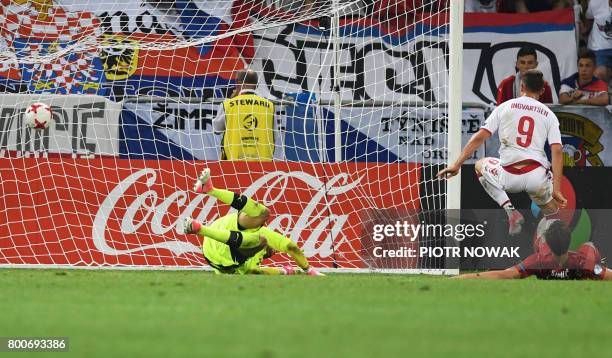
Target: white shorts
x=537 y=183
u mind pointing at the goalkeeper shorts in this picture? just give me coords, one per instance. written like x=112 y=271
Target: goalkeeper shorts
x=225 y=260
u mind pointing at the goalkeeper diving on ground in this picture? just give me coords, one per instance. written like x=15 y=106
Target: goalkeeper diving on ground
x=238 y=242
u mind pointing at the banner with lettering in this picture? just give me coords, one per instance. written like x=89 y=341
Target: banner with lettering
x=391 y=134
x=169 y=130
x=174 y=130
x=103 y=211
x=379 y=60
x=83 y=125
x=118 y=65
x=409 y=63
x=26 y=34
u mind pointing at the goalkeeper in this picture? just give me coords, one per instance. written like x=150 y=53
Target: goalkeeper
x=238 y=242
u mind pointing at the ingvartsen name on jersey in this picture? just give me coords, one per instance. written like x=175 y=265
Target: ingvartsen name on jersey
x=529 y=107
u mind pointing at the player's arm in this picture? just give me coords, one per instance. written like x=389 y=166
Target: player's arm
x=556 y=150
x=474 y=143
x=557 y=168
x=490 y=126
x=568 y=94
x=524 y=269
x=507 y=274
x=599 y=100
x=566 y=98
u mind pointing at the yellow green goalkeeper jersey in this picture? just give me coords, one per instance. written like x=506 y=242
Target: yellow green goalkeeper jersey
x=222 y=258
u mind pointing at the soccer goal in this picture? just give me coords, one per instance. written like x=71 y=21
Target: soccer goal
x=367 y=109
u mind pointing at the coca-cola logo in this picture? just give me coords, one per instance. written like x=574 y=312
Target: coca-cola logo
x=313 y=222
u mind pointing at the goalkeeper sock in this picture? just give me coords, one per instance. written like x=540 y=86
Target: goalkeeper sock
x=235 y=239
x=238 y=202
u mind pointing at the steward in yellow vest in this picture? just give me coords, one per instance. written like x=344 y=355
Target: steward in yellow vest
x=247 y=121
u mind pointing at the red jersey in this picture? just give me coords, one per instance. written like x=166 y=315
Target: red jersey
x=583 y=264
x=508 y=90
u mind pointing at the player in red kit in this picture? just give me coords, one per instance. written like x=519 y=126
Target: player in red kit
x=524 y=125
x=552 y=260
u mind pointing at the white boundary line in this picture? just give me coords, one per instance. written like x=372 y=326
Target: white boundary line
x=436 y=272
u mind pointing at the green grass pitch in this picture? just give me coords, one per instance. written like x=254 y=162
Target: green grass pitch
x=197 y=314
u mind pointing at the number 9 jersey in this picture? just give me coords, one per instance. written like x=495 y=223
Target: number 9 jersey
x=524 y=124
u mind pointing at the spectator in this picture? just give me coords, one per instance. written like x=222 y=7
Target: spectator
x=481 y=5
x=247 y=122
x=600 y=39
x=583 y=87
x=510 y=87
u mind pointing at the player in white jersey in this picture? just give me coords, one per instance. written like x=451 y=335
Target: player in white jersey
x=524 y=125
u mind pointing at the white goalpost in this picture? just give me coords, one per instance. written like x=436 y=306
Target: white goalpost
x=455 y=102
x=368 y=109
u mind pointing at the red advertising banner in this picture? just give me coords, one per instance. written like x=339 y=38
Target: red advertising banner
x=107 y=211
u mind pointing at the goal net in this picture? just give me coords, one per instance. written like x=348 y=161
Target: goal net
x=360 y=93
